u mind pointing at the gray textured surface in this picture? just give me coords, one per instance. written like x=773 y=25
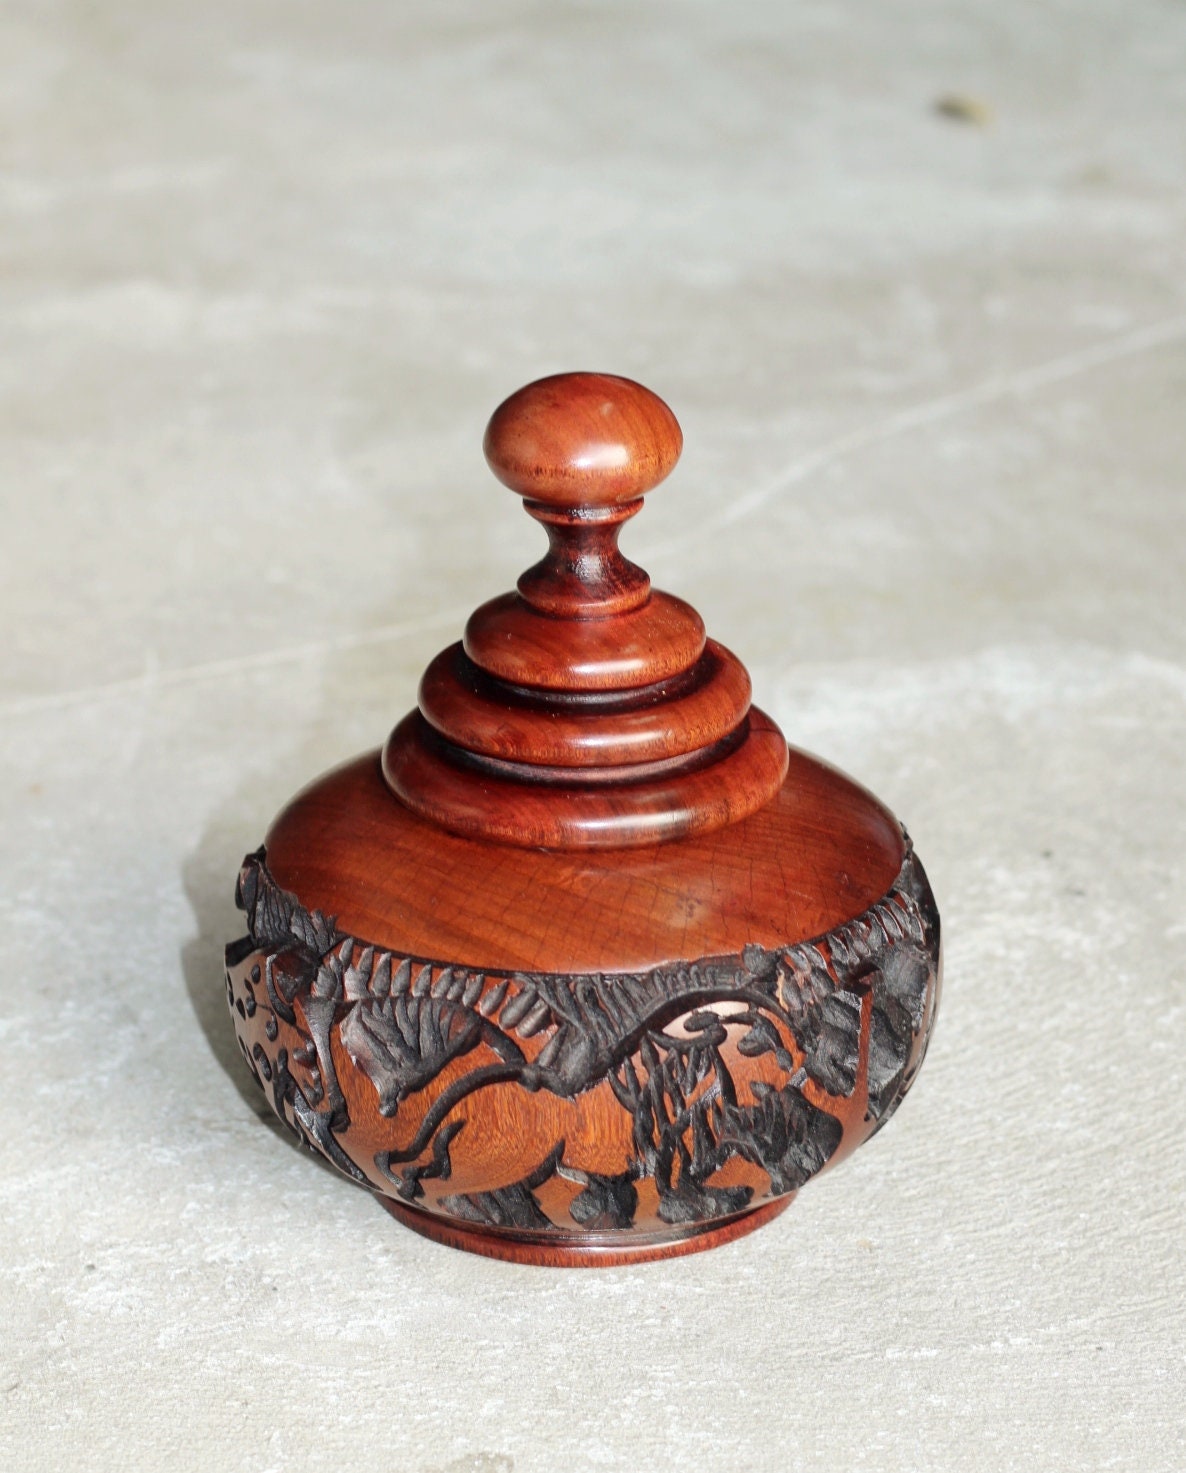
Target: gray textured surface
x=264 y=270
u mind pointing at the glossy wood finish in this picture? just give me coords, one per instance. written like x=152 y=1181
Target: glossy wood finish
x=580 y=1117
x=675 y=717
x=821 y=852
x=513 y=642
x=582 y=438
x=593 y=1250
x=511 y=742
x=608 y=808
x=585 y=966
x=584 y=574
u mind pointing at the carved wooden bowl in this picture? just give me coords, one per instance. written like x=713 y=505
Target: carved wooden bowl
x=585 y=966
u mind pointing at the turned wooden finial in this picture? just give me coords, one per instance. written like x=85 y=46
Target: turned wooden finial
x=582 y=440
x=583 y=449
x=586 y=709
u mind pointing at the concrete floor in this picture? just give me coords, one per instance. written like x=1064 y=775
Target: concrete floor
x=264 y=271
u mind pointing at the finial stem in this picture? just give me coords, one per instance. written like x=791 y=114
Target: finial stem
x=584 y=574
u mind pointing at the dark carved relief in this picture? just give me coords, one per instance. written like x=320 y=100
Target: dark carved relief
x=665 y=1040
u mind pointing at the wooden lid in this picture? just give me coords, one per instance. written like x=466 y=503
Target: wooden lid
x=586 y=710
x=585 y=785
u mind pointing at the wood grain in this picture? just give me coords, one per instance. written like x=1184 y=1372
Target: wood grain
x=584 y=710
x=585 y=965
x=821 y=852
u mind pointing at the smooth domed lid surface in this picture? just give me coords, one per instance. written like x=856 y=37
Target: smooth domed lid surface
x=821 y=852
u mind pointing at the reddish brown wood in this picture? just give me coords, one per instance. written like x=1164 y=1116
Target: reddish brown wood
x=509 y=744
x=675 y=717
x=593 y=1250
x=584 y=574
x=353 y=1043
x=822 y=851
x=608 y=808
x=587 y=439
x=585 y=966
x=513 y=642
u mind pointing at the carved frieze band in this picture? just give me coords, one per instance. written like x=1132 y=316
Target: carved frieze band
x=672 y=1044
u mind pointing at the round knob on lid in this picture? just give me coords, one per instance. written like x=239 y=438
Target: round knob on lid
x=583 y=449
x=583 y=439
